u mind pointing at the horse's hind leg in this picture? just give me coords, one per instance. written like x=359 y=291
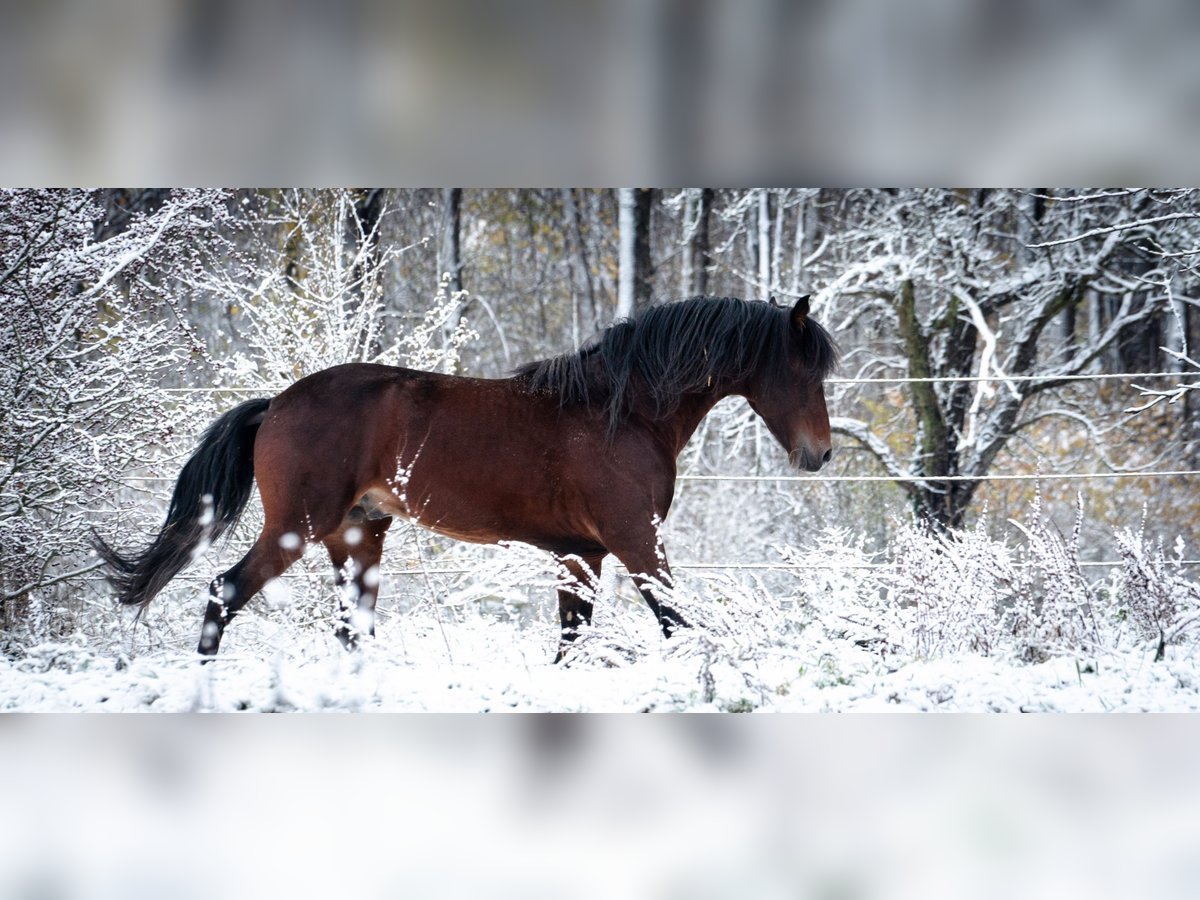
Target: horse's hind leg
x=575 y=597
x=270 y=556
x=355 y=550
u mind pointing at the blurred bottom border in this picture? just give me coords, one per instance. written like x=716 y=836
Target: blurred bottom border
x=598 y=806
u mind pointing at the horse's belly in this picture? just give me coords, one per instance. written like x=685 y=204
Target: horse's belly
x=474 y=519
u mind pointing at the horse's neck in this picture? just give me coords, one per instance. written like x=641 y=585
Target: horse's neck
x=677 y=429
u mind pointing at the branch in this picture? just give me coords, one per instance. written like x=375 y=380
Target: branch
x=858 y=430
x=1156 y=396
x=34 y=585
x=1120 y=226
x=129 y=256
x=987 y=359
x=1090 y=351
x=49 y=228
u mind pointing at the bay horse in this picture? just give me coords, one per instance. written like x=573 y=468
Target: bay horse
x=575 y=455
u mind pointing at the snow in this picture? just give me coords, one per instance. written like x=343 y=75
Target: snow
x=484 y=664
x=932 y=623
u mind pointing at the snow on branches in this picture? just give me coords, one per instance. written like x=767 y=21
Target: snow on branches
x=84 y=353
x=990 y=301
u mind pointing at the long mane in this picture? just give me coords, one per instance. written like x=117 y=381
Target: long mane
x=667 y=351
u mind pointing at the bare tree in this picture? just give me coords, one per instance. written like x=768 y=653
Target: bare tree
x=964 y=297
x=643 y=272
x=313 y=298
x=581 y=266
x=764 y=242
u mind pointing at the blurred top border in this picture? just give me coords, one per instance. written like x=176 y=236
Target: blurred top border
x=666 y=92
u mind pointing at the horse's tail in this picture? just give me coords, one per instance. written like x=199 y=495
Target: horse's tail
x=210 y=494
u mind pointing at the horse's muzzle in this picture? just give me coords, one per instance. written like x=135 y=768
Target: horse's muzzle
x=803 y=458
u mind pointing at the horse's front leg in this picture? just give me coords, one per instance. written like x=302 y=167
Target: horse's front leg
x=646 y=561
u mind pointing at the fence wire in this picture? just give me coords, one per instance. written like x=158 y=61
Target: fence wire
x=895 y=379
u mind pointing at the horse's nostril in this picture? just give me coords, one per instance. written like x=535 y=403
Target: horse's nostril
x=825 y=458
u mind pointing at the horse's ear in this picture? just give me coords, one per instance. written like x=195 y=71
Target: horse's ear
x=774 y=302
x=800 y=313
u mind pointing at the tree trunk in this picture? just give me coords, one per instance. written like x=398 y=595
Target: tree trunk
x=936 y=457
x=777 y=248
x=764 y=243
x=1191 y=399
x=698 y=246
x=449 y=261
x=806 y=216
x=448 y=253
x=1069 y=327
x=626 y=256
x=580 y=264
x=643 y=279
x=368 y=208
x=635 y=269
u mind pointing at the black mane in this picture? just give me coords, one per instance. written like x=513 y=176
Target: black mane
x=673 y=349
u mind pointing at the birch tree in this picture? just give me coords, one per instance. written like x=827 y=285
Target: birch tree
x=627 y=237
x=635 y=265
x=764 y=242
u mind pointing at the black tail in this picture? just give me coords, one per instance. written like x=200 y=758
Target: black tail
x=209 y=497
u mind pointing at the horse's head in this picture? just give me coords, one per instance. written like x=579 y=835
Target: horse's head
x=790 y=395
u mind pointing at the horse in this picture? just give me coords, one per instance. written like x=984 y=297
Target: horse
x=575 y=454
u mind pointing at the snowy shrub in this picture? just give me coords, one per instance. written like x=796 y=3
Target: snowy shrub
x=947 y=592
x=961 y=591
x=833 y=588
x=734 y=626
x=85 y=352
x=301 y=281
x=103 y=330
x=1152 y=592
x=1055 y=613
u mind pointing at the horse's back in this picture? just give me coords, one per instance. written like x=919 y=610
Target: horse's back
x=346 y=383
x=463 y=451
x=481 y=460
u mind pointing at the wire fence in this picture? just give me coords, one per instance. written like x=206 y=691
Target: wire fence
x=962 y=379
x=918 y=479
x=891 y=379
x=921 y=479
x=448 y=571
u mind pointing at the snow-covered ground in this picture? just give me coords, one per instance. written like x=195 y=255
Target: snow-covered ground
x=420 y=662
x=962 y=624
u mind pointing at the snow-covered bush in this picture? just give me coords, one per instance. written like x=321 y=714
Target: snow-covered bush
x=86 y=348
x=962 y=591
x=1056 y=614
x=299 y=285
x=105 y=327
x=946 y=592
x=1151 y=590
